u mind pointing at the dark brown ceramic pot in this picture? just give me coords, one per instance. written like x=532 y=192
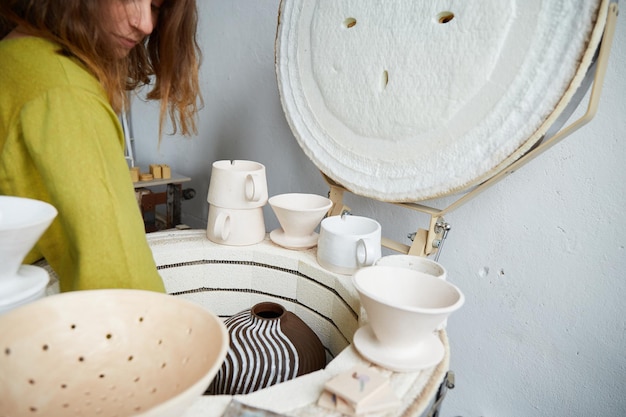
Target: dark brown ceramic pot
x=268 y=345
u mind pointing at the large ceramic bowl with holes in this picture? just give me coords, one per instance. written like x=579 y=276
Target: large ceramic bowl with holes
x=108 y=352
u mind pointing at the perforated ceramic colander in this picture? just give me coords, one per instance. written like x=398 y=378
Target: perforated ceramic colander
x=107 y=353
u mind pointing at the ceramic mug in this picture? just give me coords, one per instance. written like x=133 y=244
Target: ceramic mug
x=417 y=263
x=347 y=243
x=235 y=227
x=237 y=184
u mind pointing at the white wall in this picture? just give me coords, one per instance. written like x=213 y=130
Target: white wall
x=541 y=256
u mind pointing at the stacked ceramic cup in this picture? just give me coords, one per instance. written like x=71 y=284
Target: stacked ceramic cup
x=237 y=194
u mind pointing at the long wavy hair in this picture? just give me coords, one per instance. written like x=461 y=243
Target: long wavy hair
x=167 y=61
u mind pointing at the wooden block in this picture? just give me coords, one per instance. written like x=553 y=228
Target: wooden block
x=146 y=177
x=155 y=170
x=358 y=391
x=382 y=400
x=134 y=174
x=166 y=172
x=356 y=384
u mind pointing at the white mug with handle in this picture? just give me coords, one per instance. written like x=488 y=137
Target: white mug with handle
x=347 y=243
x=235 y=227
x=237 y=184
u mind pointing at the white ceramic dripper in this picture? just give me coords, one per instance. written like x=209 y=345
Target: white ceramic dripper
x=404 y=308
x=298 y=214
x=22 y=222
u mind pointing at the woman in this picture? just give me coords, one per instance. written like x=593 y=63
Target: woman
x=65 y=67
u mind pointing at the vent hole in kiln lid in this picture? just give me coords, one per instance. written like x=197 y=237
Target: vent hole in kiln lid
x=463 y=97
x=445 y=17
x=350 y=22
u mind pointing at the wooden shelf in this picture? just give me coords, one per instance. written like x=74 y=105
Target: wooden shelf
x=171 y=198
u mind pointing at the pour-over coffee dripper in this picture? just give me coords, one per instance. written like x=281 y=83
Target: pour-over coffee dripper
x=298 y=214
x=404 y=308
x=22 y=222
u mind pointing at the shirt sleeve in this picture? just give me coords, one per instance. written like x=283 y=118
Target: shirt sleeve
x=98 y=240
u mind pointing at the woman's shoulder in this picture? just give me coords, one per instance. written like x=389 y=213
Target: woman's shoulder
x=37 y=64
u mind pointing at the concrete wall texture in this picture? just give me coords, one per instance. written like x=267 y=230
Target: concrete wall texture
x=541 y=256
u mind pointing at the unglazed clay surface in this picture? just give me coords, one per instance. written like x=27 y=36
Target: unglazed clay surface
x=423 y=99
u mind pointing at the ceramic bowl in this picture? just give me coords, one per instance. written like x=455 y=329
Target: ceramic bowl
x=108 y=352
x=404 y=306
x=418 y=263
x=299 y=214
x=22 y=222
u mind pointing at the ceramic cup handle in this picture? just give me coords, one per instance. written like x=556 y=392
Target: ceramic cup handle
x=253 y=193
x=364 y=252
x=221 y=228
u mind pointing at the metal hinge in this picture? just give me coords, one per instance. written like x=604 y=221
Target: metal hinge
x=447 y=384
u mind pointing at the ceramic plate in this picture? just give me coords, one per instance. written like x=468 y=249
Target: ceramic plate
x=424 y=356
x=29 y=283
x=278 y=236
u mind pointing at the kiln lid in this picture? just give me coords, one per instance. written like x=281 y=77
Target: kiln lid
x=416 y=100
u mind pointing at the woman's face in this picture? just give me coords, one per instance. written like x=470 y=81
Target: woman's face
x=131 y=21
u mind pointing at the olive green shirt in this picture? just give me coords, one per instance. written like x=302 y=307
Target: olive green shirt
x=61 y=142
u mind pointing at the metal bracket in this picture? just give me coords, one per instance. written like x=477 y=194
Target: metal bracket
x=441 y=227
x=336 y=196
x=425 y=242
x=430 y=241
x=447 y=384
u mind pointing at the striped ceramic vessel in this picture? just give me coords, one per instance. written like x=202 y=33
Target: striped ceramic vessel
x=268 y=345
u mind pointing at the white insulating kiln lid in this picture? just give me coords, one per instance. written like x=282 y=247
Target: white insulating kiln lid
x=411 y=100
